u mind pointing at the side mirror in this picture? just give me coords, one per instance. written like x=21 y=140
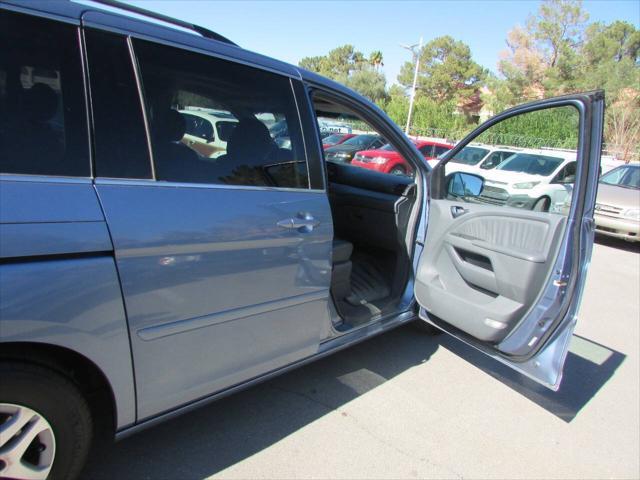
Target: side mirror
x=464 y=185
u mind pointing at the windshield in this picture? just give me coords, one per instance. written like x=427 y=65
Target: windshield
x=333 y=138
x=470 y=155
x=360 y=140
x=628 y=177
x=531 y=164
x=388 y=147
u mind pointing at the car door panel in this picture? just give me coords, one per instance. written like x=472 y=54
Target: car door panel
x=505 y=280
x=483 y=269
x=212 y=283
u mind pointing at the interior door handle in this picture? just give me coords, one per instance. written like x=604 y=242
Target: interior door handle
x=457 y=210
x=303 y=222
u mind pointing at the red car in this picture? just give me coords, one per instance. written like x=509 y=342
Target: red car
x=387 y=160
x=336 y=139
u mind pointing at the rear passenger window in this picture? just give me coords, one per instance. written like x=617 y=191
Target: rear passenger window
x=120 y=140
x=43 y=127
x=257 y=139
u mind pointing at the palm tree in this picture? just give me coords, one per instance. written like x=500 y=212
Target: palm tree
x=375 y=59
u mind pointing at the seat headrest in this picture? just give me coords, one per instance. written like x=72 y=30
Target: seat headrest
x=170 y=126
x=40 y=103
x=249 y=140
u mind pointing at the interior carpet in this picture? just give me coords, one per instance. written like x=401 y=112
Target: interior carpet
x=368 y=284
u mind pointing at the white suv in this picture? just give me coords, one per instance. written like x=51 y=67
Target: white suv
x=477 y=158
x=537 y=180
x=207 y=131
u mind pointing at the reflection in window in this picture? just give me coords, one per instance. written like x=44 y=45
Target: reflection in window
x=43 y=121
x=214 y=121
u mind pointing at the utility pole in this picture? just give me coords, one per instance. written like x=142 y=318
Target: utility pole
x=416 y=56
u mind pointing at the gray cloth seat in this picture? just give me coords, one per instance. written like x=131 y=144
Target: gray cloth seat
x=342 y=250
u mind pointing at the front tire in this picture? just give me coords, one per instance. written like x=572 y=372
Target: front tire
x=45 y=424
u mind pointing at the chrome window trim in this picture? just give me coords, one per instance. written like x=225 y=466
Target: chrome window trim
x=304 y=142
x=27 y=177
x=209 y=186
x=88 y=107
x=143 y=105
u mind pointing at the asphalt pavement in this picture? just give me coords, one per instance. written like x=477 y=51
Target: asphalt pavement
x=406 y=405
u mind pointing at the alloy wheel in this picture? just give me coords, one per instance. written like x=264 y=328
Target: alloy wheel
x=27 y=443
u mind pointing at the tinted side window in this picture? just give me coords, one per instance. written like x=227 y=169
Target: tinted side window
x=120 y=140
x=43 y=127
x=567 y=174
x=377 y=144
x=427 y=150
x=438 y=150
x=264 y=145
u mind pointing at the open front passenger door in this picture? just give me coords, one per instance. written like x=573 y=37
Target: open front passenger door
x=504 y=260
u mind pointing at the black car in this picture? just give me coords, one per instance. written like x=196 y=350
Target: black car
x=345 y=152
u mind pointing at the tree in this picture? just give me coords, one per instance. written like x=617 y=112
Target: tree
x=369 y=83
x=557 y=53
x=338 y=64
x=350 y=67
x=375 y=59
x=610 y=62
x=613 y=42
x=522 y=65
x=543 y=57
x=558 y=27
x=622 y=127
x=446 y=71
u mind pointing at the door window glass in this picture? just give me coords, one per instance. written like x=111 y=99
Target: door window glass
x=259 y=140
x=43 y=128
x=537 y=174
x=120 y=139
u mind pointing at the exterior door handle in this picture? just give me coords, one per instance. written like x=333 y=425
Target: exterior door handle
x=303 y=222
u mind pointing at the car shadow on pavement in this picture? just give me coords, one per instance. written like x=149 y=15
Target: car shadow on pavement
x=212 y=438
x=617 y=243
x=588 y=367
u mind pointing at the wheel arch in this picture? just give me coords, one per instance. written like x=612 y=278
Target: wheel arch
x=82 y=371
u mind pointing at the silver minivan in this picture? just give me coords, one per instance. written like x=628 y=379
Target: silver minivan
x=140 y=278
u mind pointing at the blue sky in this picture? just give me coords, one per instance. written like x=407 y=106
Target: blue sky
x=289 y=30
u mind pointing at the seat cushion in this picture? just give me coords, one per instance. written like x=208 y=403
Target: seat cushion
x=342 y=250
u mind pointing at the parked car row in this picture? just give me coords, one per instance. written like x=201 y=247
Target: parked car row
x=373 y=152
